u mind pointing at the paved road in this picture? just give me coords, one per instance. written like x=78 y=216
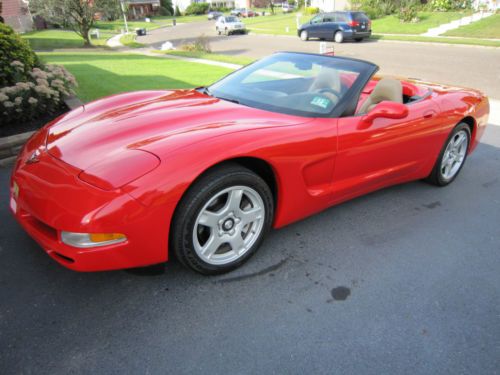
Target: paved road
x=469 y=66
x=405 y=280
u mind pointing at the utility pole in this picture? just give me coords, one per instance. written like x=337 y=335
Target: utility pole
x=122 y=7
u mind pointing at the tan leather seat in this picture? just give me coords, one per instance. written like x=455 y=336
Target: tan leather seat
x=327 y=78
x=389 y=89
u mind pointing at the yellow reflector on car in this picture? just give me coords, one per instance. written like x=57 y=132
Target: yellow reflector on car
x=103 y=237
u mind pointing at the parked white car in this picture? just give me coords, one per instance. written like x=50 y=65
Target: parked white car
x=229 y=25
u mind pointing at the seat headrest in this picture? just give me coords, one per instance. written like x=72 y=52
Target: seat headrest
x=327 y=78
x=389 y=89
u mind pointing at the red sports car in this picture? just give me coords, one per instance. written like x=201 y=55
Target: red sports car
x=127 y=180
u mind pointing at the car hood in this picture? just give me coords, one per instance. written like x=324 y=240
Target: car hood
x=153 y=121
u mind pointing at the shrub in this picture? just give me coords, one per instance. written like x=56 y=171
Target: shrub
x=197 y=8
x=14 y=48
x=201 y=44
x=408 y=14
x=446 y=5
x=373 y=13
x=42 y=93
x=311 y=10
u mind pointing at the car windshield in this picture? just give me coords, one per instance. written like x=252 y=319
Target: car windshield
x=294 y=83
x=231 y=19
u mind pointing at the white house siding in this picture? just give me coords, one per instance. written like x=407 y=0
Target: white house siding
x=330 y=5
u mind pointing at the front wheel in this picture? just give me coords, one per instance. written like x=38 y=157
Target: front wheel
x=338 y=37
x=452 y=156
x=222 y=220
x=304 y=35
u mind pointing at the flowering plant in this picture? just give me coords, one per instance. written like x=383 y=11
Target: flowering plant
x=41 y=93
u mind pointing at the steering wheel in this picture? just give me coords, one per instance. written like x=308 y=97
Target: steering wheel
x=328 y=90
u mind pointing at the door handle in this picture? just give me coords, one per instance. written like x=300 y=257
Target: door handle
x=429 y=114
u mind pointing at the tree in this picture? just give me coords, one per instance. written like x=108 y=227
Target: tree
x=167 y=4
x=78 y=15
x=110 y=9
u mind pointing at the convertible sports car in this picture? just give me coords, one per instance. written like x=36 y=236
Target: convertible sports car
x=127 y=180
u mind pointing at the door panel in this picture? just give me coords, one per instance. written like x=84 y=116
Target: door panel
x=387 y=152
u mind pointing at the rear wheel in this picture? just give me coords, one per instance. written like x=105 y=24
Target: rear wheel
x=304 y=35
x=338 y=37
x=222 y=220
x=452 y=156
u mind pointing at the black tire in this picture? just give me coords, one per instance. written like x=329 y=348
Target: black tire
x=436 y=177
x=197 y=196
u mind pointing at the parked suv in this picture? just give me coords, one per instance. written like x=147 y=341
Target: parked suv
x=338 y=26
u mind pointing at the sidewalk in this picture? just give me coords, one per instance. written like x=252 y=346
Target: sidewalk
x=441 y=29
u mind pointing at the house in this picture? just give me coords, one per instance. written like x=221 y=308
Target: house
x=142 y=8
x=16 y=14
x=330 y=5
x=490 y=5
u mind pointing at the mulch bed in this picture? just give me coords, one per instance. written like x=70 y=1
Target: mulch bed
x=34 y=124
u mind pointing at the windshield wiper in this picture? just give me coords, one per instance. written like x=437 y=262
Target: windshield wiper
x=227 y=99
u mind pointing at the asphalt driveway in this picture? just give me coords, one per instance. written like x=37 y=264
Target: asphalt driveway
x=467 y=66
x=405 y=280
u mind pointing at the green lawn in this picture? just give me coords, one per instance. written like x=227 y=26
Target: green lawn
x=104 y=73
x=240 y=60
x=55 y=39
x=277 y=25
x=487 y=28
x=129 y=41
x=428 y=20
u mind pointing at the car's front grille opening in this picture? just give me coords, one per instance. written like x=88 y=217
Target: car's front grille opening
x=63 y=258
x=43 y=228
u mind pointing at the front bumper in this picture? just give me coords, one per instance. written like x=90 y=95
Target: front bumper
x=51 y=198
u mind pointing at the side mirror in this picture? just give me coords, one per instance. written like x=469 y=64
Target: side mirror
x=384 y=109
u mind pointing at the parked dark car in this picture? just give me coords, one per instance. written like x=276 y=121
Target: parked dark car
x=338 y=26
x=213 y=15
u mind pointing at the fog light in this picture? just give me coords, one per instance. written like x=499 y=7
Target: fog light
x=91 y=239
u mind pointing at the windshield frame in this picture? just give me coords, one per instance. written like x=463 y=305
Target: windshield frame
x=345 y=107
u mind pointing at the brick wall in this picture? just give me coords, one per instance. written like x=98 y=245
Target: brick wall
x=16 y=14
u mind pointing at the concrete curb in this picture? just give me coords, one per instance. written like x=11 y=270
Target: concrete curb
x=11 y=145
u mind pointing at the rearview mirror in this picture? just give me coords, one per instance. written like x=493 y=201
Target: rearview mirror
x=384 y=109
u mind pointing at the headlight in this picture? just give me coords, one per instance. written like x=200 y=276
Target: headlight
x=85 y=240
